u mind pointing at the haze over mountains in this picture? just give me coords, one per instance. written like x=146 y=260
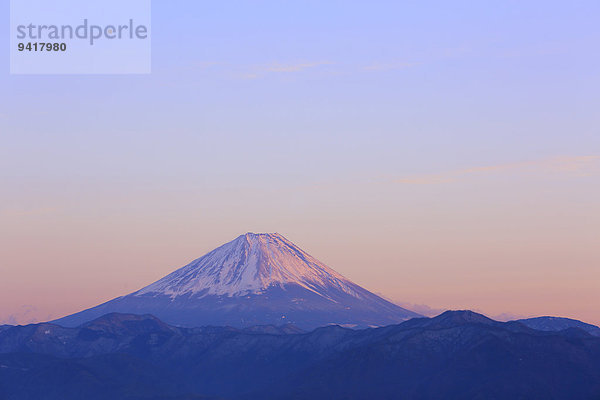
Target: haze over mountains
x=558 y=324
x=456 y=355
x=260 y=318
x=256 y=279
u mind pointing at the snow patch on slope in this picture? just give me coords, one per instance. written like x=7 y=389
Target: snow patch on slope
x=248 y=265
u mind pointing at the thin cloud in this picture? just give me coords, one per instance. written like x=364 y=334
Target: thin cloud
x=26 y=314
x=205 y=64
x=422 y=309
x=278 y=68
x=388 y=66
x=577 y=166
x=507 y=316
x=294 y=67
x=248 y=76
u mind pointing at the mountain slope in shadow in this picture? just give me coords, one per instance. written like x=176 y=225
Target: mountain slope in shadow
x=457 y=355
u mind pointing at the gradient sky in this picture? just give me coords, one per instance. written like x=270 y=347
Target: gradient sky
x=439 y=153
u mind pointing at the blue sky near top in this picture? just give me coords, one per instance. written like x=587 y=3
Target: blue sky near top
x=348 y=126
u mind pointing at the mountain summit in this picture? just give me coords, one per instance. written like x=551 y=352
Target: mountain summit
x=251 y=264
x=256 y=279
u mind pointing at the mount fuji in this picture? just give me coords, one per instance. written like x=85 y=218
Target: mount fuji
x=256 y=279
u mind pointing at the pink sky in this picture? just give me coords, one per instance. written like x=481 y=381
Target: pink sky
x=441 y=154
x=519 y=239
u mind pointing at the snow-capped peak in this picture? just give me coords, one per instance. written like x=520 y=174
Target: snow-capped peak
x=248 y=265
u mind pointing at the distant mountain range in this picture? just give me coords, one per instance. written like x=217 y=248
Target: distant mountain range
x=559 y=324
x=259 y=318
x=257 y=279
x=457 y=355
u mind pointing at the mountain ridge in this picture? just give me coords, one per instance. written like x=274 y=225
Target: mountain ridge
x=255 y=268
x=548 y=323
x=458 y=354
x=256 y=279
